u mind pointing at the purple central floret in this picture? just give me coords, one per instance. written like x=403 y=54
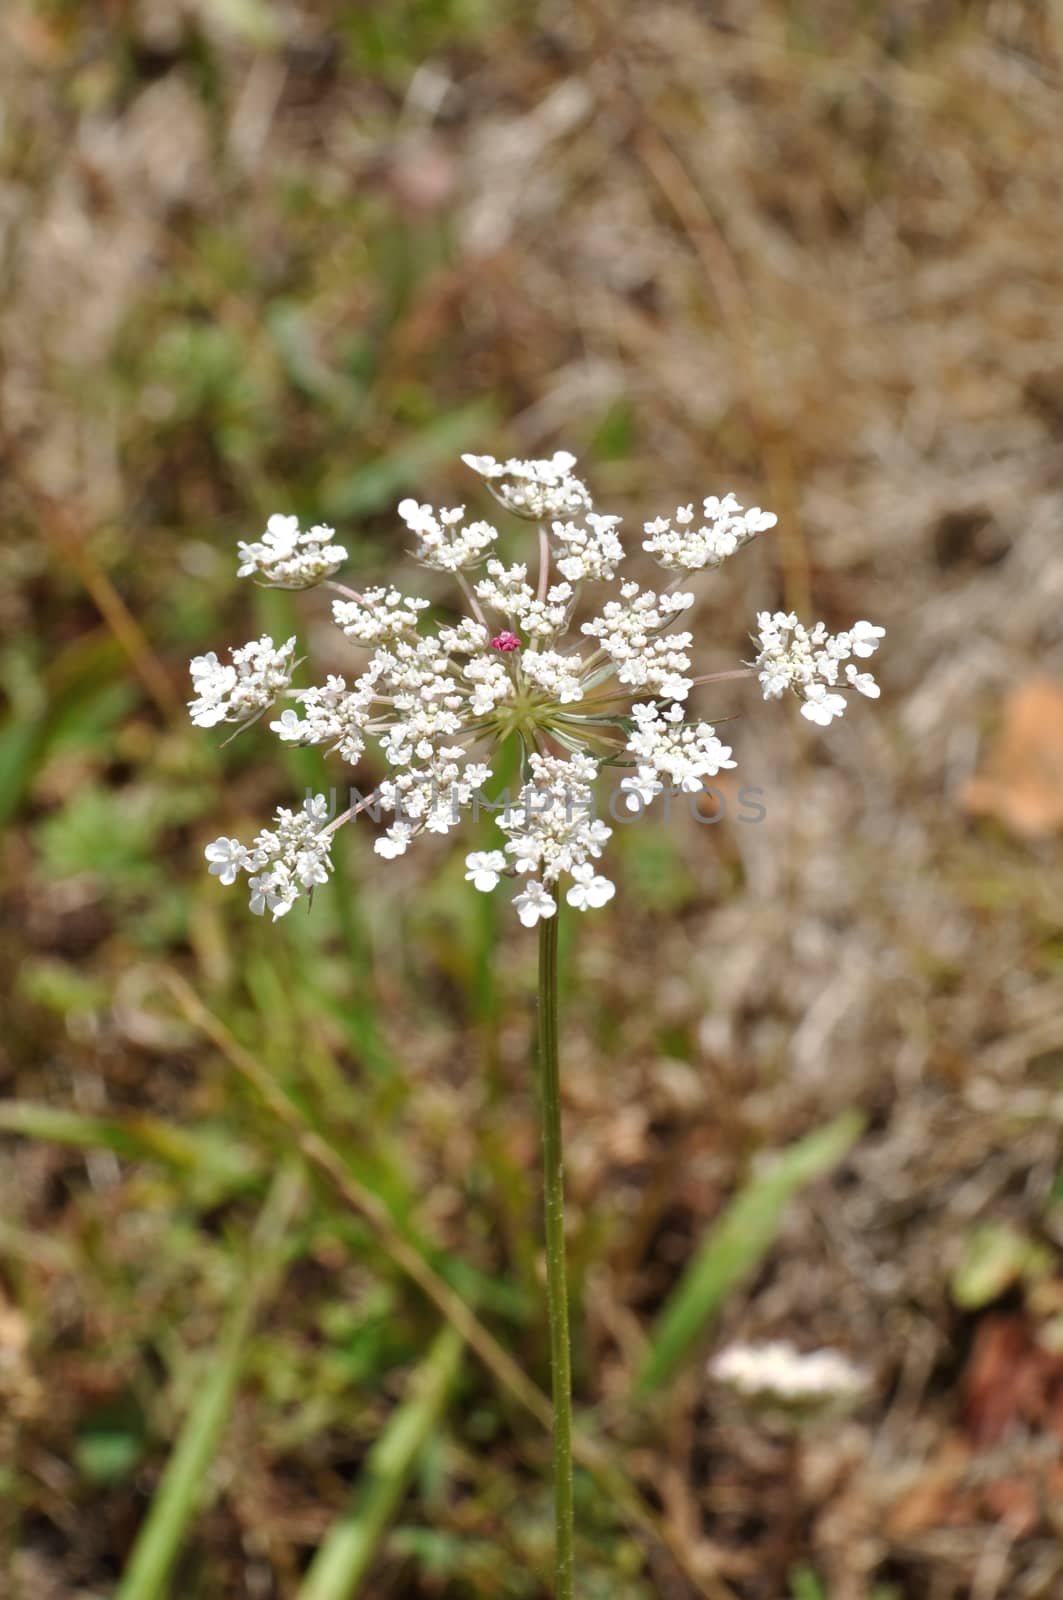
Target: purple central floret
x=506 y=641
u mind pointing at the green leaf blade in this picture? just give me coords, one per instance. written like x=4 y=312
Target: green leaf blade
x=738 y=1243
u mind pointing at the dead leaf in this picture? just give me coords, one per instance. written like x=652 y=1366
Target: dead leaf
x=926 y=1503
x=1021 y=781
x=1014 y=1502
x=1010 y=1381
x=953 y=1491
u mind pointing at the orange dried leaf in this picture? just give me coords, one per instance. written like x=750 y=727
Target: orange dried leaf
x=927 y=1503
x=1021 y=780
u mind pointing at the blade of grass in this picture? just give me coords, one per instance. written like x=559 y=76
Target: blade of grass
x=347 y=1552
x=373 y=484
x=133 y=1137
x=181 y=1489
x=68 y=539
x=805 y=1585
x=82 y=690
x=738 y=1243
x=21 y=744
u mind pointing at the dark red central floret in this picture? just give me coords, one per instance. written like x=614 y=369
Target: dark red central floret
x=505 y=641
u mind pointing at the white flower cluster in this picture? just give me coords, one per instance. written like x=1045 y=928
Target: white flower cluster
x=507 y=591
x=553 y=830
x=238 y=693
x=333 y=715
x=433 y=704
x=726 y=529
x=492 y=685
x=779 y=1371
x=665 y=745
x=284 y=862
x=444 y=542
x=428 y=796
x=556 y=675
x=379 y=616
x=629 y=632
x=534 y=489
x=285 y=558
x=809 y=662
x=591 y=551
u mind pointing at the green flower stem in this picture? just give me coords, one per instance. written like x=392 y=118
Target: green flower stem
x=556 y=1284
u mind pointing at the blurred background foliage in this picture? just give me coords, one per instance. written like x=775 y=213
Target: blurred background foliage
x=270 y=1296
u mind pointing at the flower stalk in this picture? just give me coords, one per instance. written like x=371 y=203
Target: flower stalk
x=556 y=1276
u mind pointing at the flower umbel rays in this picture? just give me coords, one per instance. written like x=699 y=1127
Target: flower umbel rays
x=435 y=704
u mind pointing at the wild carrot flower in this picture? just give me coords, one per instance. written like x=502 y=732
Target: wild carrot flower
x=436 y=703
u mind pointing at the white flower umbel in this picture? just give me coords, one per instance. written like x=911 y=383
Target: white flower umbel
x=379 y=616
x=443 y=540
x=333 y=715
x=809 y=662
x=591 y=551
x=284 y=862
x=259 y=672
x=534 y=489
x=285 y=558
x=630 y=633
x=666 y=746
x=552 y=830
x=433 y=703
x=777 y=1370
x=725 y=529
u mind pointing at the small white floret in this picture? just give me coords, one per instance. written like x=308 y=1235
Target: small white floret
x=865 y=637
x=394 y=842
x=821 y=707
x=534 y=903
x=226 y=857
x=589 y=891
x=484 y=867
